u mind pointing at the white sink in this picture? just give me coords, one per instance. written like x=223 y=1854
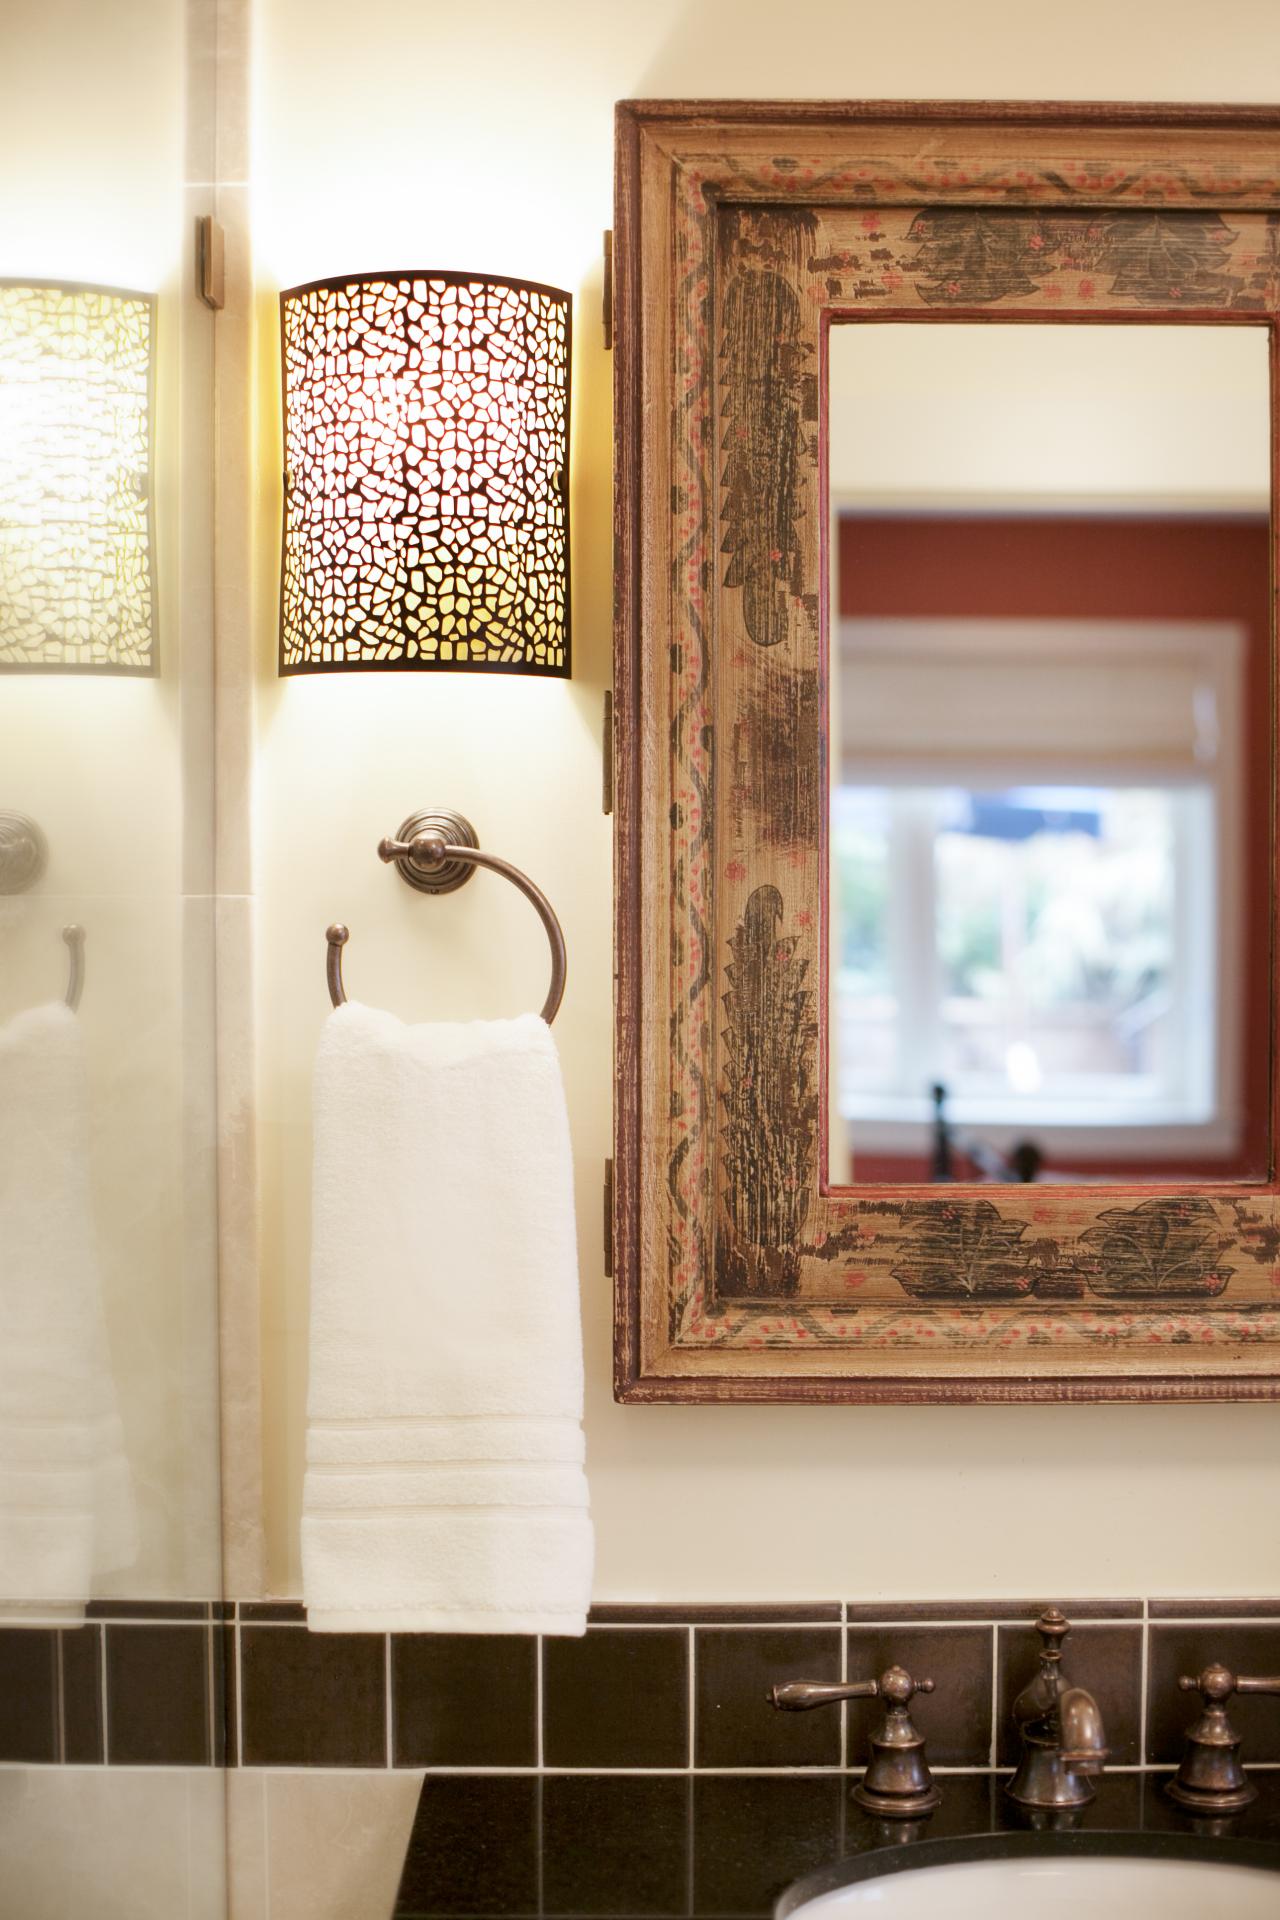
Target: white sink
x=1103 y=1888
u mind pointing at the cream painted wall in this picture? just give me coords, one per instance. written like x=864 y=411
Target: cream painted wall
x=399 y=134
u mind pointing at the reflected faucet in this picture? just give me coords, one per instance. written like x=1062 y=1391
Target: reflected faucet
x=1063 y=1741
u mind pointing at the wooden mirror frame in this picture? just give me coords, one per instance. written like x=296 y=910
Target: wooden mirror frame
x=741 y=1274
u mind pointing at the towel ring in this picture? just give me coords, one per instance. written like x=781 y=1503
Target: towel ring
x=74 y=937
x=436 y=851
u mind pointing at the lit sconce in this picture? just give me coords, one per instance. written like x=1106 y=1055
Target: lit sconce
x=426 y=440
x=76 y=589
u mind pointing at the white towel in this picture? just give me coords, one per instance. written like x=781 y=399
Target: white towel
x=66 y=1495
x=445 y=1489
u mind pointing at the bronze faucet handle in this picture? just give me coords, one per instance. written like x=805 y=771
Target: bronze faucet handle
x=897 y=1784
x=798 y=1696
x=895 y=1685
x=1211 y=1779
x=1215 y=1684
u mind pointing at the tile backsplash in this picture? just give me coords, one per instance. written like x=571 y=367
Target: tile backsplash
x=650 y=1688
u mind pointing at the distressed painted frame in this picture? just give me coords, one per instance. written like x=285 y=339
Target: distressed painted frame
x=741 y=229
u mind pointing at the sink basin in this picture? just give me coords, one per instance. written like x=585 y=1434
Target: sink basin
x=1027 y=1887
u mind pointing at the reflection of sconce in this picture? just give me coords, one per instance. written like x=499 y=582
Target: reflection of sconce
x=426 y=431
x=75 y=479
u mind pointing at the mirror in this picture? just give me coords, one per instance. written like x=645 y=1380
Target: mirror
x=1050 y=752
x=944 y=728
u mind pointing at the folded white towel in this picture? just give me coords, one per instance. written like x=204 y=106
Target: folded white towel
x=66 y=1494
x=445 y=1489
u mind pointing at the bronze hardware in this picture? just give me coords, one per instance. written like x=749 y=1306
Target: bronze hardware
x=74 y=937
x=897 y=1782
x=607 y=296
x=24 y=852
x=608 y=1219
x=1063 y=1742
x=1211 y=1779
x=211 y=262
x=418 y=850
x=436 y=851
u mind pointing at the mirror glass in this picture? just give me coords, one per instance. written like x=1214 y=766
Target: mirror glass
x=1050 y=754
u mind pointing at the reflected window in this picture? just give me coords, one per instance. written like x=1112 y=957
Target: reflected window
x=1022 y=945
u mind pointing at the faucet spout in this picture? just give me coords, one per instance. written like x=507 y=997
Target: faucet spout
x=1084 y=1746
x=1064 y=1743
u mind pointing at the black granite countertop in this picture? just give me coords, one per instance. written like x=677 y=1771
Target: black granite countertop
x=726 y=1846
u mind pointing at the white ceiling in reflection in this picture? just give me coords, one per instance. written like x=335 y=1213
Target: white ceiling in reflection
x=1166 y=417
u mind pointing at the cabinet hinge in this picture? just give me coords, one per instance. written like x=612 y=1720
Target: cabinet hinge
x=608 y=289
x=608 y=1219
x=211 y=262
x=606 y=757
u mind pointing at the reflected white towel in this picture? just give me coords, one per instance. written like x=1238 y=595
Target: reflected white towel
x=66 y=1496
x=445 y=1489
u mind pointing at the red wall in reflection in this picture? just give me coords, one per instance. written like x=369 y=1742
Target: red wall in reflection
x=1063 y=567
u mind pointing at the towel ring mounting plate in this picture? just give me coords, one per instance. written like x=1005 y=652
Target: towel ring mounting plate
x=417 y=862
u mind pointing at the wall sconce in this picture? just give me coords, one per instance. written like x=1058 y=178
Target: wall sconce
x=426 y=505
x=76 y=590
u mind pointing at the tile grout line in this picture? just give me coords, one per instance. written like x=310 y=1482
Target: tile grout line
x=1153 y=1770
x=539 y=1693
x=692 y=1701
x=239 y=1693
x=992 y=1750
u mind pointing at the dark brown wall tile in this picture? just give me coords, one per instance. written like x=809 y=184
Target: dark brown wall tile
x=1176 y=1650
x=917 y=1611
x=82 y=1696
x=157 y=1696
x=224 y=1685
x=734 y=1669
x=956 y=1718
x=312 y=1699
x=1105 y=1660
x=464 y=1699
x=147 y=1610
x=28 y=1694
x=616 y=1698
x=685 y=1614
x=733 y=1873
x=1214 y=1609
x=474 y=1848
x=645 y=1867
x=287 y=1611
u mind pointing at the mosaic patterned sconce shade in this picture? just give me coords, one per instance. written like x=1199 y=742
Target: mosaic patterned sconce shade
x=76 y=588
x=426 y=515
